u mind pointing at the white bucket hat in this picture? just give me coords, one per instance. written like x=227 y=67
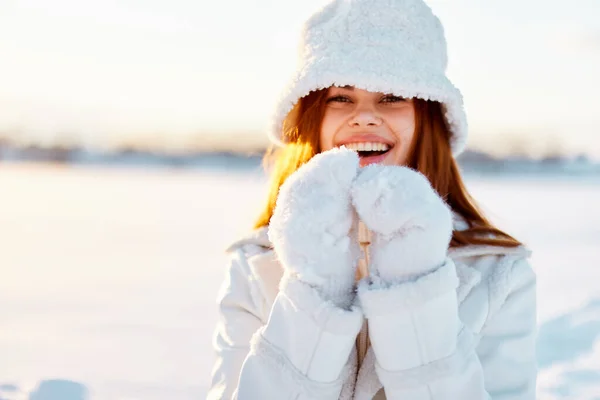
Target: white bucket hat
x=389 y=46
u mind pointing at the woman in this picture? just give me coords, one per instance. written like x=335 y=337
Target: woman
x=369 y=129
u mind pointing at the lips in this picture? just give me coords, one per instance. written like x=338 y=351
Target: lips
x=371 y=149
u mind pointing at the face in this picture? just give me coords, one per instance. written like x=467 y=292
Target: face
x=379 y=126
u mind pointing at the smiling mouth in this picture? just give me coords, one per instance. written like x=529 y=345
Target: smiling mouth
x=369 y=149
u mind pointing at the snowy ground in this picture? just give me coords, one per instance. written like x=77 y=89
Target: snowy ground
x=108 y=277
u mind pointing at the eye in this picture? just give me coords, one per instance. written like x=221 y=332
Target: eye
x=390 y=98
x=338 y=99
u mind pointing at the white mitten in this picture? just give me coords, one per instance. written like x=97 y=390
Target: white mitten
x=411 y=225
x=313 y=225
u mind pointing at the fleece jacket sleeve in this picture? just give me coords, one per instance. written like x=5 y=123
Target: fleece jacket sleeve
x=424 y=352
x=302 y=352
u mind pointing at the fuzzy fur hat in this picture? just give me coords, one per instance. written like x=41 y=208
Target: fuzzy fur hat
x=389 y=46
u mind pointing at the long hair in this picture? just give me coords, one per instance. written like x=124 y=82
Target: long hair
x=430 y=154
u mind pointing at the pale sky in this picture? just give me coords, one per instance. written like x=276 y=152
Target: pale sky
x=161 y=72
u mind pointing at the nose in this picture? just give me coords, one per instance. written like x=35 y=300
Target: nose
x=364 y=117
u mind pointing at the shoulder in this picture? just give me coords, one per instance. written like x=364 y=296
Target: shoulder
x=255 y=263
x=493 y=261
x=253 y=243
x=241 y=287
x=502 y=271
x=243 y=253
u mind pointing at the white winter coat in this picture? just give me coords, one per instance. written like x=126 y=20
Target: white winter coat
x=266 y=351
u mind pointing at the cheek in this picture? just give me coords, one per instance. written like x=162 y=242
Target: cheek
x=403 y=127
x=328 y=129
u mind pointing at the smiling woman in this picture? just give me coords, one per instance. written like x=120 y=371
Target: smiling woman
x=369 y=129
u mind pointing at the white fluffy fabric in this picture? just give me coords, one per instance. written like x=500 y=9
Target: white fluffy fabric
x=411 y=225
x=378 y=297
x=313 y=225
x=324 y=313
x=390 y=46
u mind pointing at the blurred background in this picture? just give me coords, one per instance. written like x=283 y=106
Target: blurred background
x=131 y=138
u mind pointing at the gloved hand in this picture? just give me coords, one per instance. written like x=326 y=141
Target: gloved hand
x=313 y=228
x=411 y=225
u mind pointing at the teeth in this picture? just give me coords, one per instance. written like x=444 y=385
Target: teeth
x=367 y=146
